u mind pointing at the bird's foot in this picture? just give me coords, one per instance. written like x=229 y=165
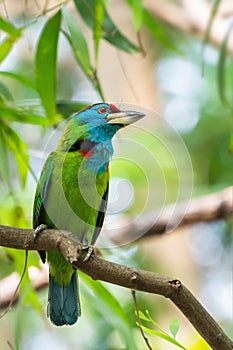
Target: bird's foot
x=38 y=231
x=90 y=251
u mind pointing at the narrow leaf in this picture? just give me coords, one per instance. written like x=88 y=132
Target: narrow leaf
x=8 y=42
x=46 y=56
x=231 y=144
x=19 y=151
x=107 y=297
x=208 y=29
x=157 y=29
x=153 y=322
x=210 y=21
x=221 y=68
x=144 y=317
x=6 y=46
x=86 y=10
x=114 y=312
x=5 y=92
x=163 y=336
x=174 y=326
x=79 y=46
x=137 y=8
x=21 y=115
x=67 y=108
x=4 y=168
x=110 y=32
x=9 y=28
x=26 y=82
x=98 y=24
x=77 y=42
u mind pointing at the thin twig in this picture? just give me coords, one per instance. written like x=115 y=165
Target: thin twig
x=12 y=300
x=10 y=345
x=133 y=292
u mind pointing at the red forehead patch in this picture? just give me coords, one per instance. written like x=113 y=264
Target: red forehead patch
x=114 y=108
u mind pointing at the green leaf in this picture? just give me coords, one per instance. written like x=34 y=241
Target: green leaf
x=18 y=215
x=110 y=32
x=231 y=144
x=18 y=332
x=4 y=168
x=137 y=8
x=174 y=326
x=46 y=56
x=77 y=42
x=79 y=46
x=67 y=108
x=6 y=46
x=114 y=313
x=157 y=29
x=8 y=42
x=221 y=69
x=5 y=92
x=9 y=28
x=148 y=318
x=19 y=150
x=26 y=82
x=21 y=115
x=210 y=22
x=85 y=9
x=208 y=29
x=163 y=336
x=106 y=297
x=116 y=38
x=98 y=25
x=144 y=317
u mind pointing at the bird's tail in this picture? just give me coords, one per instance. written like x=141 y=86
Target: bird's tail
x=64 y=305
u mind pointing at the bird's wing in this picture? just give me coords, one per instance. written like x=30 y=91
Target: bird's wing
x=42 y=192
x=39 y=214
x=101 y=215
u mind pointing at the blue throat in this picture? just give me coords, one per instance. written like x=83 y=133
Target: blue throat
x=103 y=150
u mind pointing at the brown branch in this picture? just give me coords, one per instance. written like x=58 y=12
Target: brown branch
x=207 y=208
x=192 y=17
x=123 y=276
x=8 y=285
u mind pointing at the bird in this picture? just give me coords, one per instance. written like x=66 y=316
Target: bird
x=72 y=195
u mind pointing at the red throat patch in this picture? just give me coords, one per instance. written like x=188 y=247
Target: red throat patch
x=87 y=154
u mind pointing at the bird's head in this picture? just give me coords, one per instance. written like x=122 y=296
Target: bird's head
x=107 y=114
x=98 y=122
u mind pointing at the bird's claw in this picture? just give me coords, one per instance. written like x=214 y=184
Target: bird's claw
x=90 y=250
x=38 y=231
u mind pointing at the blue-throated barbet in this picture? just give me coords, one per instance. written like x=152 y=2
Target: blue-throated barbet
x=72 y=195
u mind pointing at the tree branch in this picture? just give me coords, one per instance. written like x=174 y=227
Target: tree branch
x=192 y=17
x=124 y=276
x=38 y=278
x=207 y=208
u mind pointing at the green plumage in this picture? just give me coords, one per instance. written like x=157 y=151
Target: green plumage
x=72 y=195
x=60 y=204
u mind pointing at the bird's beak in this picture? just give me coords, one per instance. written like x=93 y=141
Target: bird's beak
x=124 y=117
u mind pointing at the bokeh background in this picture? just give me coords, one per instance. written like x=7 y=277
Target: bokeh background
x=177 y=68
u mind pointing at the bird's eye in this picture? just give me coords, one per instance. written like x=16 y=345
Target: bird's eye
x=102 y=110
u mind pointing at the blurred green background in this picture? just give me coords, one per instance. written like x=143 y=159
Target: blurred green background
x=56 y=60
